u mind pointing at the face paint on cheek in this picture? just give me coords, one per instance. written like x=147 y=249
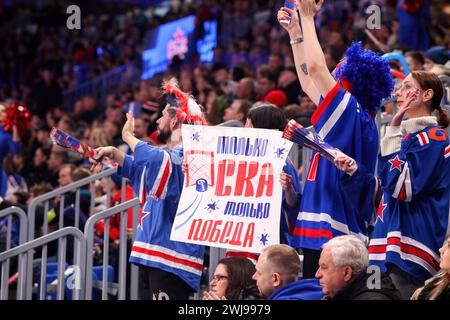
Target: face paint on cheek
x=413 y=94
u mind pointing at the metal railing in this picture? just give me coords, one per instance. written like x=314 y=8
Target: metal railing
x=83 y=258
x=60 y=192
x=23 y=224
x=28 y=248
x=89 y=234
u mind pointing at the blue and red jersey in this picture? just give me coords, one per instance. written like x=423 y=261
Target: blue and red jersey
x=326 y=211
x=413 y=216
x=156 y=176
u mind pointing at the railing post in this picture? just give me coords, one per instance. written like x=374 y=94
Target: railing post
x=89 y=234
x=26 y=247
x=45 y=198
x=21 y=276
x=134 y=269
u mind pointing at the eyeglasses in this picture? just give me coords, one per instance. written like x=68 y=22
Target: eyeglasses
x=217 y=278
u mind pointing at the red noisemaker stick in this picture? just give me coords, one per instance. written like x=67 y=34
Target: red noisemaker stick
x=65 y=140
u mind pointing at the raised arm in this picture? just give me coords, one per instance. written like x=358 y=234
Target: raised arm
x=384 y=48
x=314 y=57
x=128 y=132
x=298 y=50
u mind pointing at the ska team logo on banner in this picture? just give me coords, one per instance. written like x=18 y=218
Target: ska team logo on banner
x=231 y=196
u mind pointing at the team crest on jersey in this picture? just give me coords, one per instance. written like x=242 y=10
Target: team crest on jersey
x=396 y=163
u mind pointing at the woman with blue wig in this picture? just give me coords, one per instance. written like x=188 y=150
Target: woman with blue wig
x=347 y=103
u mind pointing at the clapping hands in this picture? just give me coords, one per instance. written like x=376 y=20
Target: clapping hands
x=212 y=296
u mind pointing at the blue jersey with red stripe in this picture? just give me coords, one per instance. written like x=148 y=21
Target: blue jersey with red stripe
x=326 y=211
x=157 y=178
x=413 y=216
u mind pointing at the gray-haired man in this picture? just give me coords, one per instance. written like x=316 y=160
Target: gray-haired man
x=344 y=273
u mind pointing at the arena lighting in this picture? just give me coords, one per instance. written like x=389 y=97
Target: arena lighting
x=176 y=38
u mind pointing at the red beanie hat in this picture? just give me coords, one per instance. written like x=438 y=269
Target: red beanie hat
x=276 y=97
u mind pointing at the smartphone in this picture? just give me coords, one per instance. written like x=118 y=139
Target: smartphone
x=291 y=5
x=135 y=108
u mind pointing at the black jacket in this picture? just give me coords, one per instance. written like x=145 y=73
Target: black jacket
x=358 y=289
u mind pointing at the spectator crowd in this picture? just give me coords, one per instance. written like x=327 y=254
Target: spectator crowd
x=253 y=65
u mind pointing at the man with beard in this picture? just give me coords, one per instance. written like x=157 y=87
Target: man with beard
x=167 y=269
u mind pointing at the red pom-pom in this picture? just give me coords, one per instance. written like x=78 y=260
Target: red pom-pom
x=19 y=116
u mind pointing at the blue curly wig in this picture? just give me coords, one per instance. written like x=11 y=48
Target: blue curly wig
x=369 y=75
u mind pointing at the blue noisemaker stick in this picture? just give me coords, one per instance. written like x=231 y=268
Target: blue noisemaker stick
x=296 y=133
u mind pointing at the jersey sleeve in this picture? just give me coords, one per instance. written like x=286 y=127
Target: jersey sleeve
x=149 y=170
x=337 y=109
x=417 y=165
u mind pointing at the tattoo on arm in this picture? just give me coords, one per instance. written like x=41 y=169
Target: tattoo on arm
x=304 y=68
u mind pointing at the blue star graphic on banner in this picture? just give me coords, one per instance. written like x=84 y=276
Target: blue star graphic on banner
x=280 y=152
x=264 y=239
x=212 y=206
x=196 y=136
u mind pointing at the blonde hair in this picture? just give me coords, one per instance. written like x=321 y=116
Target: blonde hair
x=434 y=286
x=284 y=260
x=102 y=140
x=439 y=283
